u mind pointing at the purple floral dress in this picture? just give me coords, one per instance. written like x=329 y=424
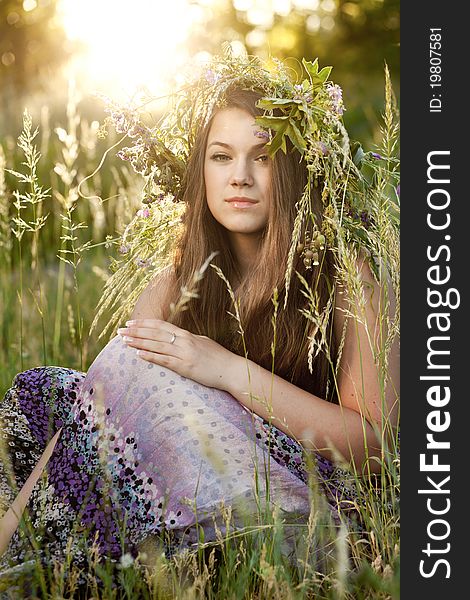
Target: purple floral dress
x=145 y=452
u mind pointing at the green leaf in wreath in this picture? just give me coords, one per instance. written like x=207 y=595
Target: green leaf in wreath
x=272 y=103
x=317 y=78
x=324 y=74
x=296 y=137
x=311 y=67
x=279 y=140
x=275 y=123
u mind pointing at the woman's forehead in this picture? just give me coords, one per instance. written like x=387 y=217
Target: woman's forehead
x=233 y=124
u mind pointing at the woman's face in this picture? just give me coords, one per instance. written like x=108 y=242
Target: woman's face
x=237 y=173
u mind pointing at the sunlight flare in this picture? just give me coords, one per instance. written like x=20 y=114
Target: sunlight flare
x=128 y=45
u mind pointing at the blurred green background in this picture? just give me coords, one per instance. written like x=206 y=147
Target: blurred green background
x=54 y=54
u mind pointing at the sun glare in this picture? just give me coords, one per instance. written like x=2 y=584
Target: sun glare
x=127 y=45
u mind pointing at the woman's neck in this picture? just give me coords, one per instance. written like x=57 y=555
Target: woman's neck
x=245 y=249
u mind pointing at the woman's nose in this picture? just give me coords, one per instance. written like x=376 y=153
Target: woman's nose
x=241 y=174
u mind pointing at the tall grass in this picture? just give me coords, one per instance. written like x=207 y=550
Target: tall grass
x=54 y=244
x=54 y=262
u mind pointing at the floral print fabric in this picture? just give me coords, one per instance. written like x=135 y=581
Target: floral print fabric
x=144 y=451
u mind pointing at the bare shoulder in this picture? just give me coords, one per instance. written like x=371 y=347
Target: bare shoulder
x=373 y=293
x=153 y=302
x=364 y=336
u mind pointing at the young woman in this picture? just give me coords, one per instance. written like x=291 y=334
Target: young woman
x=183 y=411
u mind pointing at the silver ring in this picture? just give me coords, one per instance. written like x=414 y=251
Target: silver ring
x=173 y=338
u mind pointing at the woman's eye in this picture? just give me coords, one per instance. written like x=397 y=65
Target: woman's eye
x=263 y=158
x=220 y=157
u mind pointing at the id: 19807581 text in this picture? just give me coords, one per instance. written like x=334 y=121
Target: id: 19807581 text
x=435 y=69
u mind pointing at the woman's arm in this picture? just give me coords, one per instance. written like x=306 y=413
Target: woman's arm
x=365 y=415
x=152 y=302
x=354 y=429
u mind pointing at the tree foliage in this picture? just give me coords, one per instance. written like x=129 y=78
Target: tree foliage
x=32 y=45
x=357 y=37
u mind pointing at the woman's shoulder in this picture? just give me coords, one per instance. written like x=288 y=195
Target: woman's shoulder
x=365 y=276
x=363 y=296
x=154 y=301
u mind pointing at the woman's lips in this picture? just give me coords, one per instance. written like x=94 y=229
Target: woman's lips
x=240 y=202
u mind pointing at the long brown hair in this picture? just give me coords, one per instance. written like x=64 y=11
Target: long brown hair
x=202 y=235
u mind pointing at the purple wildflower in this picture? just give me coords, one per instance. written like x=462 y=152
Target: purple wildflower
x=136 y=131
x=144 y=212
x=366 y=219
x=298 y=92
x=397 y=189
x=123 y=120
x=321 y=147
x=376 y=156
x=153 y=198
x=336 y=97
x=124 y=154
x=119 y=122
x=351 y=212
x=211 y=76
x=262 y=134
x=142 y=262
x=124 y=249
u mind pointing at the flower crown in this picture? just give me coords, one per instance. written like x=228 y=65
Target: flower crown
x=311 y=118
x=357 y=188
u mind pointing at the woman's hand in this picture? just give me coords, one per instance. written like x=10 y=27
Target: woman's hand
x=194 y=356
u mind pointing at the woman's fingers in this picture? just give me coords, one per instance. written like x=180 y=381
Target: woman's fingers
x=171 y=362
x=153 y=324
x=159 y=333
x=142 y=332
x=160 y=342
x=153 y=346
